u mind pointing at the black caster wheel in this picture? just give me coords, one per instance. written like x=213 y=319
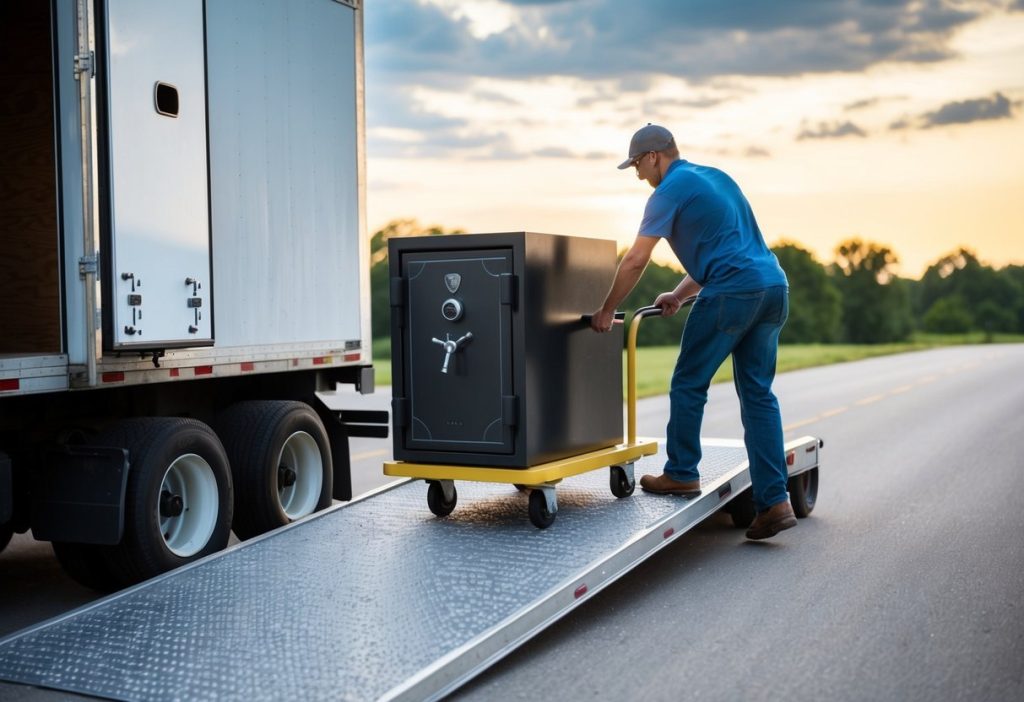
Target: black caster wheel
x=620 y=482
x=436 y=501
x=803 y=492
x=540 y=516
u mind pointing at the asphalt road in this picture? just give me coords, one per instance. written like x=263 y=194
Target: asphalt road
x=905 y=583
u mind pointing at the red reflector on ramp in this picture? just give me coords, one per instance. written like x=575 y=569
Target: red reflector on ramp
x=113 y=377
x=580 y=591
x=9 y=384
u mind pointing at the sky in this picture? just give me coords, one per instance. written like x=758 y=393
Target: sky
x=898 y=122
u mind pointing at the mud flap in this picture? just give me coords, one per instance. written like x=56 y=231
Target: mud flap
x=78 y=495
x=6 y=489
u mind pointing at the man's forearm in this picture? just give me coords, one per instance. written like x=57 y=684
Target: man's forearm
x=688 y=287
x=626 y=277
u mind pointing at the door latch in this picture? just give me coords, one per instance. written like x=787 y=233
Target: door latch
x=451 y=347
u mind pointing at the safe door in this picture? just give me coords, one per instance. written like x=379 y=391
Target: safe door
x=457 y=351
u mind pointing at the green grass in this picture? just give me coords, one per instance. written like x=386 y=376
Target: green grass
x=655 y=363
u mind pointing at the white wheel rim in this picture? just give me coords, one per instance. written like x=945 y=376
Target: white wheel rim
x=301 y=455
x=191 y=478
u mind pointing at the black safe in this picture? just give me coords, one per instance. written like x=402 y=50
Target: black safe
x=492 y=363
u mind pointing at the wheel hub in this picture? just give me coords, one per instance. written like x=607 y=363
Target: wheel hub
x=171 y=505
x=286 y=477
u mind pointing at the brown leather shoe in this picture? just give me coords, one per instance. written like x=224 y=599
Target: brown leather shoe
x=773 y=520
x=664 y=485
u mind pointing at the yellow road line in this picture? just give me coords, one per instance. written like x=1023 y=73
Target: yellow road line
x=370 y=454
x=869 y=400
x=902 y=388
x=834 y=412
x=795 y=425
x=927 y=379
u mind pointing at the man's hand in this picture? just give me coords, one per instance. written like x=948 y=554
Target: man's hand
x=668 y=302
x=601 y=321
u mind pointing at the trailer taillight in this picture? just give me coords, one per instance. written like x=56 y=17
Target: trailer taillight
x=248 y=366
x=113 y=377
x=790 y=458
x=9 y=384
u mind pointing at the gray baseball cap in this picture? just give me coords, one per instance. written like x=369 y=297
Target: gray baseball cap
x=649 y=138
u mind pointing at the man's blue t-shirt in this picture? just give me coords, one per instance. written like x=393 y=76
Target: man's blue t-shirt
x=711 y=228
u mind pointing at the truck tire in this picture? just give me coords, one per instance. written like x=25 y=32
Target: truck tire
x=178 y=502
x=87 y=565
x=281 y=463
x=6 y=532
x=803 y=492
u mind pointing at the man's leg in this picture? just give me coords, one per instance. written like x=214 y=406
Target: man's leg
x=754 y=361
x=702 y=350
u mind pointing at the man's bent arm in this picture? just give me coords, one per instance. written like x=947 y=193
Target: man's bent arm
x=626 y=276
x=670 y=302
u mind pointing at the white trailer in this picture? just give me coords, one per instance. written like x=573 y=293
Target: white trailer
x=185 y=267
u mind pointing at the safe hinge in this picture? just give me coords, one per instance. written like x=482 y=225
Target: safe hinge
x=510 y=410
x=399 y=411
x=398 y=300
x=507 y=282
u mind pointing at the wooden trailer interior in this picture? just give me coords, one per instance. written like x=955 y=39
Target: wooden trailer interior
x=30 y=319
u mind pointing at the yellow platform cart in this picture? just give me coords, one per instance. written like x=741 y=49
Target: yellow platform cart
x=541 y=479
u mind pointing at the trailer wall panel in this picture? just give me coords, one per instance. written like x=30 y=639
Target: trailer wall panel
x=283 y=168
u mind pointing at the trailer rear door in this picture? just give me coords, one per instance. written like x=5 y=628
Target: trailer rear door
x=156 y=210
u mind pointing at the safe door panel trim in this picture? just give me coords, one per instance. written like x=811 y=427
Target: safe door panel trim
x=465 y=407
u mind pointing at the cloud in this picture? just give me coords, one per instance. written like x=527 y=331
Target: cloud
x=833 y=130
x=861 y=104
x=694 y=39
x=615 y=53
x=998 y=106
x=554 y=152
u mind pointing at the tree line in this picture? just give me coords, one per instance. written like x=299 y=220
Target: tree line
x=857 y=299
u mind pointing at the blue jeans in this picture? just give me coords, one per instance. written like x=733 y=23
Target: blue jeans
x=747 y=325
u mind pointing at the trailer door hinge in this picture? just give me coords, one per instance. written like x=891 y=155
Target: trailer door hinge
x=88 y=265
x=84 y=63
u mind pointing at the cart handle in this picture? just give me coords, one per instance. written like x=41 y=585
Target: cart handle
x=634 y=328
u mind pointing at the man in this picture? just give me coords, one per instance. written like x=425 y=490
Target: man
x=742 y=302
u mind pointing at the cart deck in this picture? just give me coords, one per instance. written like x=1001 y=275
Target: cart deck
x=374 y=599
x=441 y=495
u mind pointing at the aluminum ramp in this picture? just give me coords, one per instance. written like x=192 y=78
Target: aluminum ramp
x=376 y=599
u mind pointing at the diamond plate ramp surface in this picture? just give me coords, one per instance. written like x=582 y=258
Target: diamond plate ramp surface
x=350 y=604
